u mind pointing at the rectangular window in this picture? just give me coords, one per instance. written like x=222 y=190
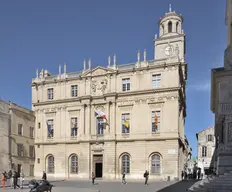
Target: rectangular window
x=209 y=137
x=74 y=126
x=155 y=121
x=20 y=129
x=156 y=81
x=50 y=128
x=39 y=125
x=50 y=94
x=100 y=126
x=20 y=150
x=31 y=152
x=74 y=90
x=204 y=151
x=32 y=132
x=126 y=123
x=126 y=84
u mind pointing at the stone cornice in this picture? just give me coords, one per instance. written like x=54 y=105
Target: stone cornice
x=104 y=96
x=106 y=140
x=169 y=37
x=30 y=113
x=3 y=114
x=116 y=72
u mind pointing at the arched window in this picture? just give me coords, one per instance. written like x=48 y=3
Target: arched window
x=169 y=27
x=126 y=163
x=155 y=164
x=50 y=164
x=177 y=27
x=74 y=164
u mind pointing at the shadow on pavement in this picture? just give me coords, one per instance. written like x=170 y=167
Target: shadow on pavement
x=180 y=186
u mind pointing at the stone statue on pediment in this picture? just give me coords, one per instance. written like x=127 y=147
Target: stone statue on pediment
x=93 y=85
x=103 y=85
x=41 y=74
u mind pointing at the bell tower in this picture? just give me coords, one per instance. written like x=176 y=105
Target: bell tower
x=169 y=45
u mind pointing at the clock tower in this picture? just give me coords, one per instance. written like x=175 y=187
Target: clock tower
x=169 y=45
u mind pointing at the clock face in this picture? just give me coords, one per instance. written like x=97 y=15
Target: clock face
x=168 y=50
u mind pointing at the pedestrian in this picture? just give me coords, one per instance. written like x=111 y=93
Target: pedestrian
x=185 y=175
x=44 y=177
x=93 y=178
x=15 y=176
x=198 y=174
x=21 y=180
x=182 y=175
x=146 y=175
x=3 y=181
x=124 y=178
x=5 y=176
x=10 y=178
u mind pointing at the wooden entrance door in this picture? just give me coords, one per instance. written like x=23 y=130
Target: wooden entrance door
x=98 y=165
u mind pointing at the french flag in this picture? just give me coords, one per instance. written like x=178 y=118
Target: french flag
x=99 y=113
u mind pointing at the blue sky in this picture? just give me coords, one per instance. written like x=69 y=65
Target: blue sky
x=44 y=34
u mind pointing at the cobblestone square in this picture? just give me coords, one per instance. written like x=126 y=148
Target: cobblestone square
x=115 y=186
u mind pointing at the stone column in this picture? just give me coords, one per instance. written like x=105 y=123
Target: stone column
x=108 y=117
x=174 y=26
x=165 y=27
x=113 y=119
x=82 y=120
x=87 y=119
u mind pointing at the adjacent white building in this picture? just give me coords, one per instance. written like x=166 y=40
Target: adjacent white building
x=205 y=150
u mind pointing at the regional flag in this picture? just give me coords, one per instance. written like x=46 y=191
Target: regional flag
x=126 y=123
x=156 y=120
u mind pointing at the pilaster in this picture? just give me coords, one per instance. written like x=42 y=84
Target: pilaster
x=82 y=120
x=87 y=119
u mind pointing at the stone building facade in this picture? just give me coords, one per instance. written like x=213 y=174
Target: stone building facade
x=17 y=138
x=221 y=102
x=120 y=118
x=205 y=150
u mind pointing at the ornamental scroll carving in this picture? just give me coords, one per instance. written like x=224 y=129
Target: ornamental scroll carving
x=93 y=86
x=97 y=147
x=100 y=108
x=100 y=85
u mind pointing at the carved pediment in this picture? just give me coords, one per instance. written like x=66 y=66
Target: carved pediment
x=98 y=71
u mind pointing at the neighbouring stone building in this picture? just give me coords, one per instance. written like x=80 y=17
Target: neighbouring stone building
x=120 y=118
x=221 y=102
x=192 y=164
x=187 y=154
x=205 y=150
x=17 y=138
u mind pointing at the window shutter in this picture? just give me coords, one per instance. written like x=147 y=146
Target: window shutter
x=206 y=138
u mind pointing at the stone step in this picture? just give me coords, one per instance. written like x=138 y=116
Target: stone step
x=221 y=181
x=213 y=190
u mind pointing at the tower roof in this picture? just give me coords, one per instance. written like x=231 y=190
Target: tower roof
x=171 y=14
